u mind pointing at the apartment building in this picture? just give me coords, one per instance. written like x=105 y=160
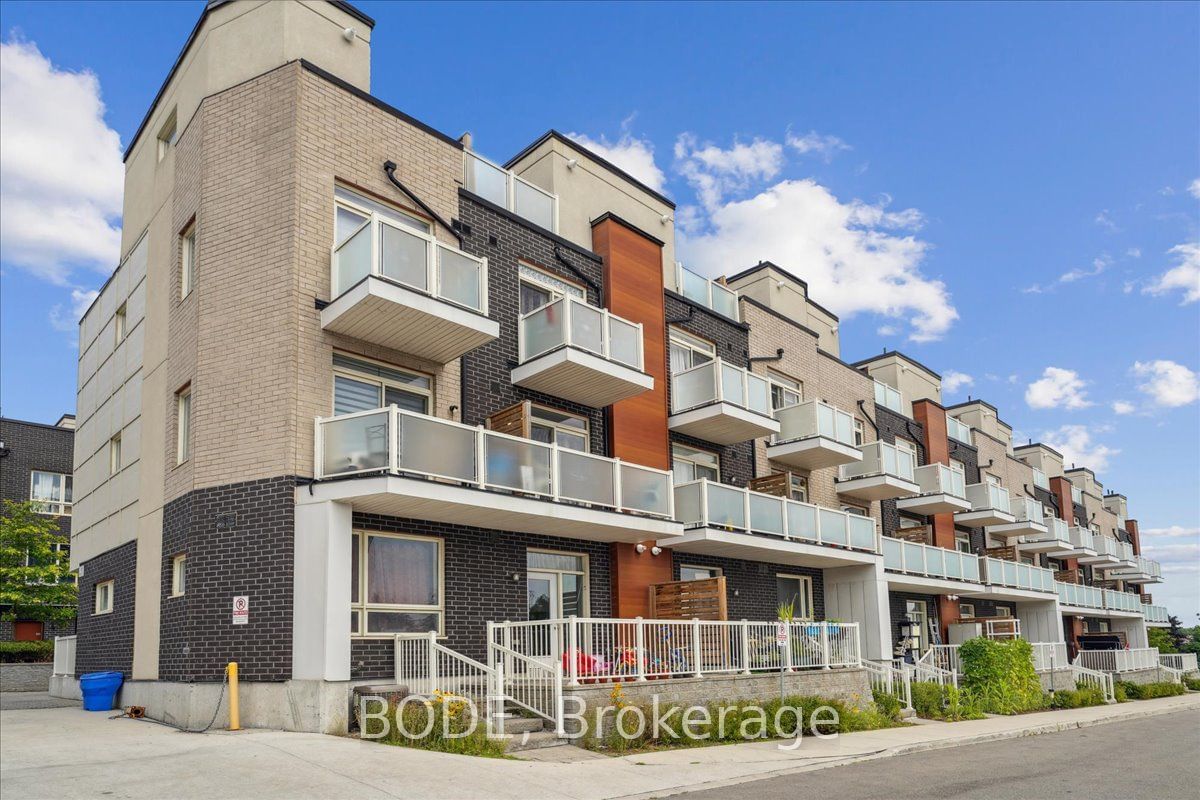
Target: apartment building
x=360 y=401
x=35 y=466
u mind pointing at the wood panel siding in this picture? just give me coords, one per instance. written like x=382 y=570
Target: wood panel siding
x=633 y=574
x=699 y=599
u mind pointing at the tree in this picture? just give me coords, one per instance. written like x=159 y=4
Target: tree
x=1161 y=638
x=35 y=570
x=1179 y=637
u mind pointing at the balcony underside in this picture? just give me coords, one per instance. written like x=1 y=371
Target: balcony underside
x=814 y=452
x=387 y=314
x=984 y=517
x=1103 y=613
x=723 y=423
x=417 y=498
x=940 y=503
x=1071 y=551
x=921 y=584
x=1150 y=624
x=877 y=487
x=1041 y=546
x=1136 y=577
x=581 y=377
x=758 y=547
x=993 y=592
x=1101 y=560
x=1021 y=527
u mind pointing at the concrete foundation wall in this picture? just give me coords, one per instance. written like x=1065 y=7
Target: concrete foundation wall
x=25 y=677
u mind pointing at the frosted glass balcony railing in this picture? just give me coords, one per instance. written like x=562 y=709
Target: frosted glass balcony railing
x=932 y=562
x=1155 y=613
x=1105 y=546
x=1040 y=480
x=888 y=397
x=940 y=479
x=814 y=418
x=706 y=504
x=396 y=441
x=708 y=293
x=958 y=431
x=1057 y=532
x=504 y=188
x=571 y=322
x=881 y=458
x=1082 y=539
x=1122 y=601
x=1125 y=552
x=1026 y=509
x=1076 y=496
x=412 y=258
x=719 y=382
x=999 y=572
x=1078 y=595
x=988 y=496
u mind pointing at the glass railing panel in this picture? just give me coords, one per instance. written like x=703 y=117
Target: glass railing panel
x=998 y=496
x=759 y=393
x=586 y=478
x=430 y=447
x=970 y=565
x=954 y=565
x=460 y=278
x=517 y=464
x=766 y=513
x=694 y=387
x=893 y=557
x=802 y=521
x=833 y=526
x=724 y=301
x=726 y=506
x=354 y=444
x=934 y=561
x=844 y=430
x=732 y=388
x=862 y=532
x=403 y=257
x=533 y=204
x=587 y=328
x=1040 y=480
x=543 y=329
x=914 y=556
x=487 y=180
x=687 y=502
x=353 y=260
x=693 y=287
x=958 y=483
x=624 y=344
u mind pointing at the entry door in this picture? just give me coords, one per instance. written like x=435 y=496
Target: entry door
x=28 y=631
x=917 y=613
x=543 y=602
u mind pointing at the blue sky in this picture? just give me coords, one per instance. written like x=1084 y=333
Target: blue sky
x=996 y=190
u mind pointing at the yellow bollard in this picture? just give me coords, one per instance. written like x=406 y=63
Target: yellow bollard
x=234 y=722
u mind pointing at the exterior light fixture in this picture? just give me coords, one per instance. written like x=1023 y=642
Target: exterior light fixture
x=641 y=548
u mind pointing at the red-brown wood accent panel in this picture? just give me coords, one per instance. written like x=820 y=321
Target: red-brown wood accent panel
x=633 y=574
x=937 y=451
x=1066 y=509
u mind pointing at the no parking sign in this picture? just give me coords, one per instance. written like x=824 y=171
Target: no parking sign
x=241 y=609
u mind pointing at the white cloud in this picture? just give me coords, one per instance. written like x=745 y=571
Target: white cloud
x=61 y=175
x=68 y=322
x=1057 y=388
x=1194 y=188
x=1134 y=252
x=1099 y=265
x=635 y=156
x=887 y=330
x=1171 y=532
x=1167 y=383
x=952 y=381
x=1122 y=407
x=1105 y=221
x=826 y=146
x=715 y=172
x=1184 y=276
x=1186 y=553
x=1077 y=447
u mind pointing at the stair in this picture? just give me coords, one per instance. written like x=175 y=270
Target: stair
x=528 y=733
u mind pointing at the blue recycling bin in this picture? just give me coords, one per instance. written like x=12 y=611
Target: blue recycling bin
x=100 y=690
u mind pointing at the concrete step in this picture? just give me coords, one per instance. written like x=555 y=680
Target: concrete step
x=520 y=725
x=534 y=740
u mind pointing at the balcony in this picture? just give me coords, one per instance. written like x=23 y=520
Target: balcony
x=1056 y=539
x=398 y=463
x=728 y=521
x=580 y=353
x=1155 y=615
x=503 y=188
x=943 y=490
x=812 y=435
x=958 y=431
x=1125 y=557
x=922 y=566
x=1028 y=520
x=1014 y=575
x=888 y=397
x=1076 y=595
x=1122 y=601
x=1145 y=570
x=402 y=289
x=1106 y=553
x=710 y=294
x=989 y=506
x=721 y=403
x=886 y=472
x=1081 y=544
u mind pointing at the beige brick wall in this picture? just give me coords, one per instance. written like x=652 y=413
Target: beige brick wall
x=1013 y=473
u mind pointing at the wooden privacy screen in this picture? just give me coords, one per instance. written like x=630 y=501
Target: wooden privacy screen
x=702 y=599
x=1069 y=575
x=1006 y=553
x=513 y=420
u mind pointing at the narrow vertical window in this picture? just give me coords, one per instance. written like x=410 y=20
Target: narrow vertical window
x=166 y=136
x=114 y=455
x=104 y=597
x=183 y=416
x=120 y=325
x=178 y=575
x=187 y=261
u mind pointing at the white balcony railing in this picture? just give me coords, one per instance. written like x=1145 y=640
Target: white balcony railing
x=1119 y=660
x=414 y=259
x=1056 y=537
x=396 y=441
x=509 y=191
x=989 y=497
x=881 y=458
x=1105 y=546
x=1155 y=614
x=888 y=397
x=1125 y=552
x=1040 y=480
x=814 y=418
x=1000 y=572
x=1076 y=496
x=1184 y=662
x=570 y=322
x=958 y=431
x=719 y=381
x=1078 y=595
x=1122 y=601
x=1026 y=509
x=932 y=562
x=707 y=293
x=940 y=479
x=1082 y=539
x=706 y=504
x=1050 y=656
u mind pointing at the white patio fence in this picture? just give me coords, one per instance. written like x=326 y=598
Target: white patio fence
x=889 y=679
x=1184 y=662
x=64 y=655
x=1119 y=660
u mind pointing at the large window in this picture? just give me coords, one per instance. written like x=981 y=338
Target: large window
x=690 y=464
x=50 y=492
x=797 y=590
x=688 y=351
x=395 y=584
x=555 y=427
x=785 y=391
x=688 y=572
x=362 y=385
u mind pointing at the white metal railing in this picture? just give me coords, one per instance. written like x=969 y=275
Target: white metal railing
x=707 y=293
x=1000 y=572
x=814 y=418
x=888 y=397
x=926 y=670
x=1118 y=660
x=881 y=458
x=1026 y=509
x=413 y=258
x=1078 y=595
x=1005 y=628
x=989 y=496
x=1094 y=677
x=719 y=381
x=594 y=649
x=64 y=655
x=531 y=682
x=933 y=562
x=886 y=678
x=703 y=503
x=1056 y=532
x=1040 y=480
x=1175 y=675
x=571 y=322
x=390 y=439
x=1122 y=601
x=508 y=190
x=958 y=431
x=1082 y=539
x=1049 y=656
x=945 y=656
x=1105 y=546
x=1183 y=662
x=424 y=666
x=941 y=479
x=1155 y=613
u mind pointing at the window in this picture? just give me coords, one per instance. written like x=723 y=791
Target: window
x=395 y=584
x=917 y=612
x=114 y=455
x=539 y=288
x=187 y=261
x=690 y=464
x=555 y=427
x=104 y=597
x=797 y=590
x=119 y=324
x=178 y=575
x=688 y=572
x=858 y=511
x=798 y=490
x=362 y=385
x=962 y=542
x=991 y=479
x=784 y=390
x=688 y=351
x=555 y=584
x=183 y=425
x=1002 y=611
x=50 y=492
x=966 y=610
x=860 y=437
x=166 y=136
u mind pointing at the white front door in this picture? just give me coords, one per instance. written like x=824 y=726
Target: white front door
x=543 y=601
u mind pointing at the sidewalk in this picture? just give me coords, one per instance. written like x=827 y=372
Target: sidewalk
x=71 y=753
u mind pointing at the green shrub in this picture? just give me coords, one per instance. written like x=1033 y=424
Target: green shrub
x=452 y=715
x=1085 y=695
x=1192 y=683
x=933 y=701
x=888 y=704
x=1148 y=691
x=26 y=652
x=1119 y=692
x=1000 y=676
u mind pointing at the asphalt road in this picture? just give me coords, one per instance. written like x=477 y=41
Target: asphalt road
x=1157 y=757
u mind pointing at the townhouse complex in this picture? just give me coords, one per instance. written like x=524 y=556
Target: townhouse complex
x=353 y=380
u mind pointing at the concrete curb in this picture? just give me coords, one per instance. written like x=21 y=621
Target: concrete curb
x=917 y=747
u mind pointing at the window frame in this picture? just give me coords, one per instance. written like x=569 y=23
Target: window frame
x=183 y=425
x=806 y=585
x=187 y=261
x=179 y=575
x=961 y=615
x=120 y=323
x=555 y=426
x=715 y=572
x=539 y=278
x=798 y=484
x=114 y=454
x=168 y=132
x=785 y=384
x=64 y=504
x=689 y=459
x=960 y=539
x=381 y=382
x=585 y=583
x=692 y=343
x=860 y=433
x=107 y=608
x=363 y=608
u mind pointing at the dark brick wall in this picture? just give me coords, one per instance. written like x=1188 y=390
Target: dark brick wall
x=987 y=608
x=750 y=591
x=239 y=541
x=969 y=457
x=896 y=602
x=479 y=569
x=733 y=345
x=890 y=425
x=487 y=370
x=49 y=630
x=105 y=641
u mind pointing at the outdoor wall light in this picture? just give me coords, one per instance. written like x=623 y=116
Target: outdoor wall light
x=655 y=550
x=348 y=34
x=641 y=548
x=572 y=162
